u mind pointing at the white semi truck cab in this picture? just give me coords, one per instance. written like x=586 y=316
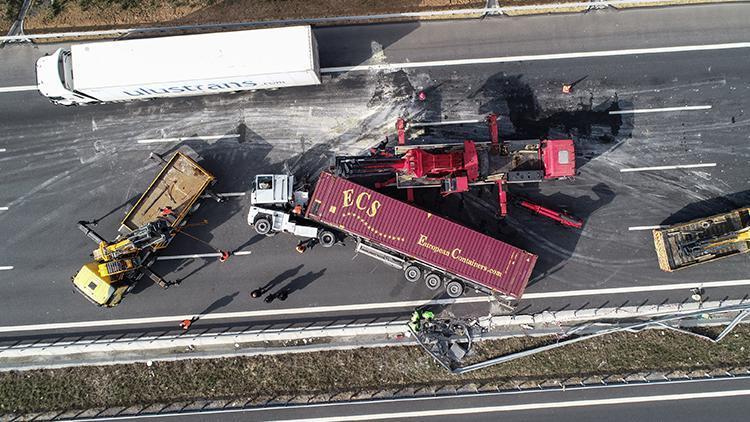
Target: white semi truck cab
x=277 y=207
x=54 y=76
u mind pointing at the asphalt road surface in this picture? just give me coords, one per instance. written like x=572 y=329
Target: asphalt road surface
x=723 y=400
x=59 y=165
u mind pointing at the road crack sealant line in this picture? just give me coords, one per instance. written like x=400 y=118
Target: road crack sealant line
x=121 y=350
x=474 y=12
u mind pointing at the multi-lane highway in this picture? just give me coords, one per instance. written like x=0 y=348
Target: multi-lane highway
x=691 y=401
x=59 y=165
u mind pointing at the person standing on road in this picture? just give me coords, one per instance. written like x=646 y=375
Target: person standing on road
x=414 y=321
x=418 y=317
x=186 y=323
x=305 y=245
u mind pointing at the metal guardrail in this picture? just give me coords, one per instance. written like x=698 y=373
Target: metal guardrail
x=210 y=334
x=154 y=335
x=485 y=11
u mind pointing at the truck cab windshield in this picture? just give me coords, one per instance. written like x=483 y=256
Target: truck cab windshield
x=264 y=182
x=65 y=67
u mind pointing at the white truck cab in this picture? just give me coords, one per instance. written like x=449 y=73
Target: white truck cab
x=276 y=190
x=277 y=207
x=54 y=79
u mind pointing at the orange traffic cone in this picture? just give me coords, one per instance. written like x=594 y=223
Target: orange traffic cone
x=567 y=88
x=224 y=256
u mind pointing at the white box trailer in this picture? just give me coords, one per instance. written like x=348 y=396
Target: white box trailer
x=177 y=66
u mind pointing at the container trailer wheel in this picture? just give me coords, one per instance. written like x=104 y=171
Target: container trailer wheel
x=262 y=226
x=412 y=273
x=454 y=288
x=327 y=238
x=433 y=281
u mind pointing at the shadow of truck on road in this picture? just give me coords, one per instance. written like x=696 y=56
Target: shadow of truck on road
x=709 y=207
x=592 y=128
x=595 y=132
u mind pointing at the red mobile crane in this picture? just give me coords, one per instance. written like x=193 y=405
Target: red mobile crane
x=455 y=167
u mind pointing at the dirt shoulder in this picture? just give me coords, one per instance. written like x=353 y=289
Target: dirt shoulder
x=264 y=377
x=105 y=14
x=8 y=12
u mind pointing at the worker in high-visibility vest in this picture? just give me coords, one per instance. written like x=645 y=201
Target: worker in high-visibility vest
x=414 y=321
x=418 y=316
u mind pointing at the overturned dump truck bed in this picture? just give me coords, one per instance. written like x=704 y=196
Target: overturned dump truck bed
x=703 y=240
x=177 y=186
x=421 y=236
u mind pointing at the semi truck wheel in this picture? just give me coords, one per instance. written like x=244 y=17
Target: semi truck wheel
x=327 y=238
x=262 y=226
x=454 y=288
x=433 y=281
x=412 y=273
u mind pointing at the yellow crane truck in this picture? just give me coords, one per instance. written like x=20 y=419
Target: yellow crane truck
x=148 y=227
x=703 y=240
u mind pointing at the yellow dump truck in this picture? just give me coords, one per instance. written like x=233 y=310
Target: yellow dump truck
x=148 y=227
x=703 y=240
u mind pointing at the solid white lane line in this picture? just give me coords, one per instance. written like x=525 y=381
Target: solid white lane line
x=458 y=411
x=660 y=110
x=19 y=88
x=243 y=314
x=2 y=150
x=3 y=208
x=638 y=289
x=6 y=268
x=632 y=228
x=679 y=166
x=557 y=56
x=188 y=138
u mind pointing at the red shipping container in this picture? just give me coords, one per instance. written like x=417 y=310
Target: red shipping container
x=421 y=235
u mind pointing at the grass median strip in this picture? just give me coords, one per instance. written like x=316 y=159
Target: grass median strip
x=351 y=372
